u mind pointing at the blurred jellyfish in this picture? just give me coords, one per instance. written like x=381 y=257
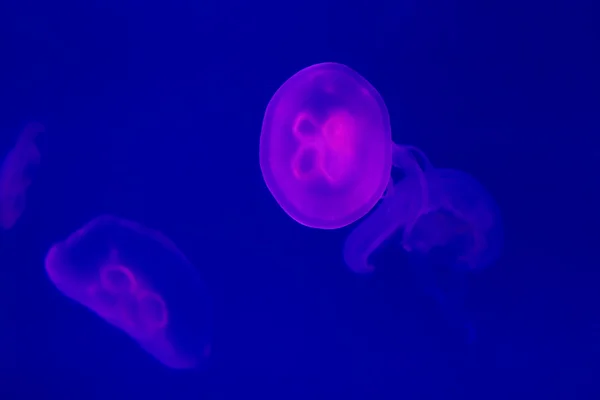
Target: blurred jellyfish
x=137 y=280
x=326 y=149
x=15 y=175
x=449 y=222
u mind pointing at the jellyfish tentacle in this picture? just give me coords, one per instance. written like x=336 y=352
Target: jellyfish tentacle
x=368 y=236
x=389 y=190
x=396 y=209
x=419 y=155
x=403 y=158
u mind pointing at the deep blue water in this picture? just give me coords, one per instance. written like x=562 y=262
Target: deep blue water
x=153 y=113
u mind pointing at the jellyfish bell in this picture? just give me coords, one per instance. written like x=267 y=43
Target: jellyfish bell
x=325 y=146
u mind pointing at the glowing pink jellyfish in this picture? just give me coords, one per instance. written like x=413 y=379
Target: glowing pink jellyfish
x=442 y=208
x=137 y=280
x=15 y=175
x=326 y=146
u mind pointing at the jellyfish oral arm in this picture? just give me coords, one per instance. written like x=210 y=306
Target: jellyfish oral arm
x=396 y=210
x=367 y=237
x=409 y=157
x=400 y=208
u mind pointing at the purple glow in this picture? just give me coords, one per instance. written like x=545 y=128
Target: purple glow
x=138 y=281
x=14 y=175
x=326 y=146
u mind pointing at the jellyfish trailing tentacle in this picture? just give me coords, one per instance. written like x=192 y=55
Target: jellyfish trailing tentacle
x=15 y=174
x=458 y=232
x=399 y=207
x=325 y=146
x=407 y=159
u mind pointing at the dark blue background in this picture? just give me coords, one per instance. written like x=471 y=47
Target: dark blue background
x=153 y=112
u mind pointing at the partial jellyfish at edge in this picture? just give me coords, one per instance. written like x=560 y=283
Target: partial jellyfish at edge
x=15 y=174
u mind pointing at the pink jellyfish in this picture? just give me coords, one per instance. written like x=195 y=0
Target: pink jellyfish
x=326 y=149
x=138 y=281
x=15 y=175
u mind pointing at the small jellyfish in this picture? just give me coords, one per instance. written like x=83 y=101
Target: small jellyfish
x=326 y=149
x=138 y=281
x=15 y=175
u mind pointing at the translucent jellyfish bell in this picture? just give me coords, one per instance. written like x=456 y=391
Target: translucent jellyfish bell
x=15 y=175
x=326 y=146
x=441 y=208
x=138 y=281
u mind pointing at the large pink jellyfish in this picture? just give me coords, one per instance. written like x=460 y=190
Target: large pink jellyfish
x=137 y=280
x=326 y=146
x=15 y=175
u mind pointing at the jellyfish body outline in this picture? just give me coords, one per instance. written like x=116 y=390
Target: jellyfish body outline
x=347 y=144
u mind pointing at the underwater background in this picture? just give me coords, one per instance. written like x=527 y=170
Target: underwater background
x=153 y=112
